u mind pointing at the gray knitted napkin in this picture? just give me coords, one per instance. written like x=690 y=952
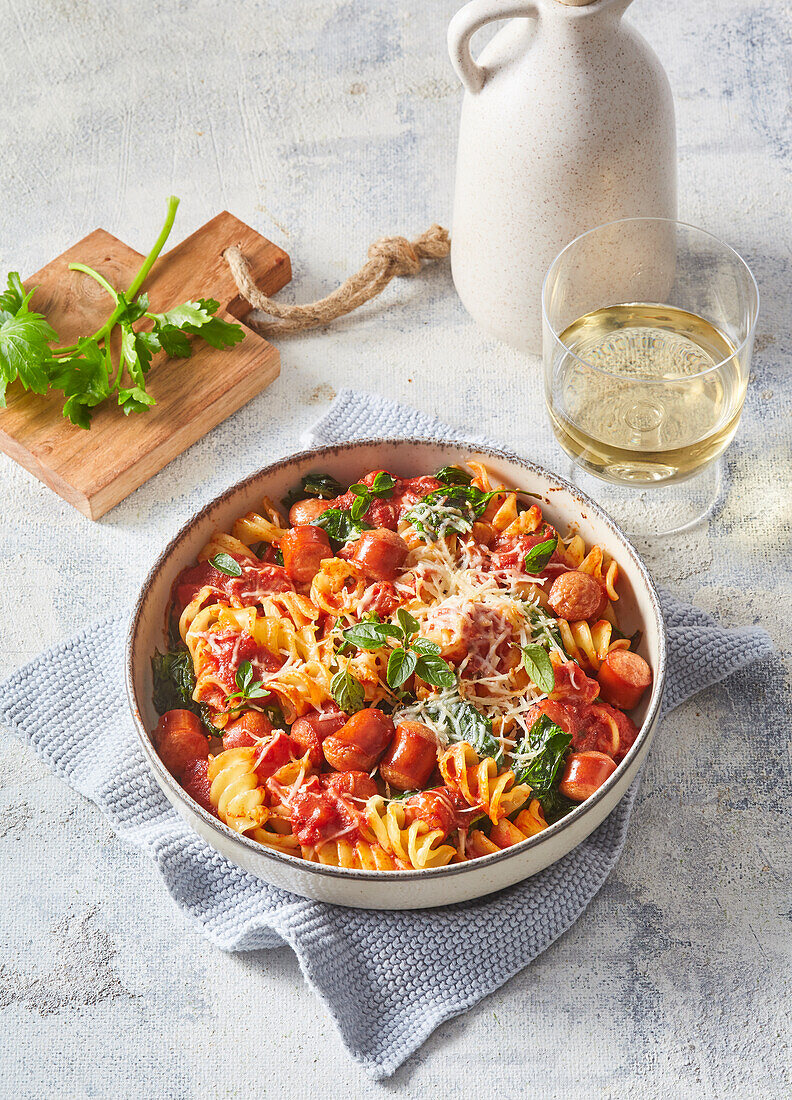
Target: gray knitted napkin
x=387 y=979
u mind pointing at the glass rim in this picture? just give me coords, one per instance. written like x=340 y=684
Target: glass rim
x=680 y=225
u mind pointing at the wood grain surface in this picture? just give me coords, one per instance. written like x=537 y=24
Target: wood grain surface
x=94 y=470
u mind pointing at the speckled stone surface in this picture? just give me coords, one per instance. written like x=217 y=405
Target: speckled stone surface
x=326 y=125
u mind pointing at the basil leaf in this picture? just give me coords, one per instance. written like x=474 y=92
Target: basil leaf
x=340 y=526
x=434 y=670
x=408 y=624
x=224 y=563
x=370 y=635
x=401 y=665
x=360 y=505
x=424 y=645
x=454 y=475
x=539 y=756
x=383 y=484
x=539 y=667
x=244 y=675
x=347 y=692
x=538 y=556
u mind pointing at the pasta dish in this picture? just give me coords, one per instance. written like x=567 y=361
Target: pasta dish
x=404 y=673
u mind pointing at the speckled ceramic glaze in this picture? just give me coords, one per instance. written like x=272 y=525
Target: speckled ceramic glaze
x=564 y=507
x=567 y=123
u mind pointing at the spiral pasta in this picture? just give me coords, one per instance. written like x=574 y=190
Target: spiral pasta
x=478 y=782
x=415 y=844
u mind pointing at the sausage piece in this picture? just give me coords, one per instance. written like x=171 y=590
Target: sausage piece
x=180 y=740
x=360 y=742
x=434 y=807
x=247 y=730
x=308 y=511
x=303 y=549
x=197 y=784
x=623 y=678
x=411 y=758
x=311 y=730
x=355 y=784
x=380 y=553
x=575 y=596
x=585 y=772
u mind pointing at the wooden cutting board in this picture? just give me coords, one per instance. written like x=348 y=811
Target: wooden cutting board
x=94 y=470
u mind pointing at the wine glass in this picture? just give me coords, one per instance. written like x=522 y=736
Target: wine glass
x=648 y=335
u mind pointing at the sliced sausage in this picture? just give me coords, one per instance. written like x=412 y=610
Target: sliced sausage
x=311 y=730
x=360 y=742
x=380 y=553
x=273 y=754
x=585 y=772
x=435 y=808
x=411 y=758
x=308 y=511
x=180 y=740
x=623 y=678
x=575 y=596
x=303 y=549
x=355 y=784
x=197 y=784
x=247 y=730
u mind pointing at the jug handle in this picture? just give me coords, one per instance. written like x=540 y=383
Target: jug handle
x=472 y=18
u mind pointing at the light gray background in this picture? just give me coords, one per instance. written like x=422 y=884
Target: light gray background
x=325 y=124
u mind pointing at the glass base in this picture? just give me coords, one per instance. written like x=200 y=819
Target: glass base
x=652 y=511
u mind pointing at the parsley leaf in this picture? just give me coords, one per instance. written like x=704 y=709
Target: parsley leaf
x=25 y=337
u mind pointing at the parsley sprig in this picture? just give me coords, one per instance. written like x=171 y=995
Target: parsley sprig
x=412 y=654
x=85 y=372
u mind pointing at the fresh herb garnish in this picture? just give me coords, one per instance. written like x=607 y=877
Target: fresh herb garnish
x=224 y=563
x=322 y=486
x=247 y=687
x=414 y=655
x=539 y=667
x=174 y=684
x=347 y=692
x=539 y=756
x=344 y=524
x=85 y=372
x=538 y=556
x=399 y=796
x=454 y=475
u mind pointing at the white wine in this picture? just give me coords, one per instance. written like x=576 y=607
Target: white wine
x=645 y=393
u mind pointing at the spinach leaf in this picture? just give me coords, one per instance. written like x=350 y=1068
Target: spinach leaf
x=461 y=721
x=322 y=486
x=454 y=475
x=539 y=756
x=174 y=683
x=556 y=805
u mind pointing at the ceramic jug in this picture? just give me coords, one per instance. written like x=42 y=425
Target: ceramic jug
x=567 y=123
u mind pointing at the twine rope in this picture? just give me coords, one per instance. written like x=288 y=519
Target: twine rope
x=388 y=257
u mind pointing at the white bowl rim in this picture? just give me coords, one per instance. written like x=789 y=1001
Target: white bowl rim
x=469 y=866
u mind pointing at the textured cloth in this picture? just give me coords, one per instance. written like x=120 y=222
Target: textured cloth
x=387 y=979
